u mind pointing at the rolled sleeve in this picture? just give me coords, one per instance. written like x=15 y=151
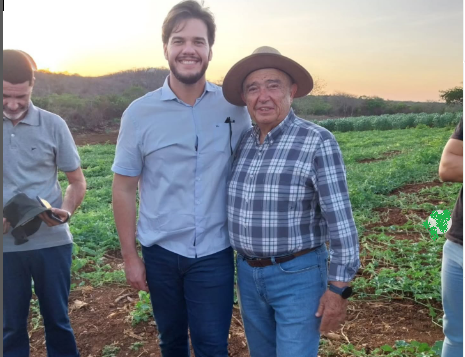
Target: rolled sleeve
x=128 y=157
x=335 y=205
x=67 y=156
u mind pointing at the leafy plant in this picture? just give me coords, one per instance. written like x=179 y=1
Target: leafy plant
x=401 y=349
x=143 y=311
x=136 y=346
x=110 y=351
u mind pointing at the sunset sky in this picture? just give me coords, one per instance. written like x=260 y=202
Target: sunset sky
x=395 y=49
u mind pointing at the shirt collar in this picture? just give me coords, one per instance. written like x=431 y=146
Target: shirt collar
x=168 y=94
x=274 y=134
x=32 y=117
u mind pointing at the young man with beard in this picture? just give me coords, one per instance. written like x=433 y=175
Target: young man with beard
x=36 y=144
x=176 y=146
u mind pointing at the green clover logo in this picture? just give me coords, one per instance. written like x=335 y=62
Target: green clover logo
x=439 y=222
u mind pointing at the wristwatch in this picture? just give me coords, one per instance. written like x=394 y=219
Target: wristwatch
x=67 y=218
x=345 y=292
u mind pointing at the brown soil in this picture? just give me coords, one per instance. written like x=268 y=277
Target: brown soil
x=385 y=156
x=396 y=217
x=101 y=317
x=103 y=322
x=417 y=187
x=371 y=324
x=94 y=138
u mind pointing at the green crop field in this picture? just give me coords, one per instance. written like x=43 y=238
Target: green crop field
x=401 y=264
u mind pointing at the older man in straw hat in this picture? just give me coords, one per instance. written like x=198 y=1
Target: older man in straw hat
x=287 y=196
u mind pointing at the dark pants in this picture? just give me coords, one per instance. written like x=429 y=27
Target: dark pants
x=194 y=294
x=50 y=270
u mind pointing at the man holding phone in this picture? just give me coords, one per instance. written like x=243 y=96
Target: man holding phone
x=36 y=144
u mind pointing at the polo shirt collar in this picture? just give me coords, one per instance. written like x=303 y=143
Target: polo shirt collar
x=168 y=94
x=274 y=134
x=32 y=117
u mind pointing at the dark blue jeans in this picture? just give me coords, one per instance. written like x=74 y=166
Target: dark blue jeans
x=50 y=270
x=194 y=294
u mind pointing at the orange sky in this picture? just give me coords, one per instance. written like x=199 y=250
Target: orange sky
x=396 y=49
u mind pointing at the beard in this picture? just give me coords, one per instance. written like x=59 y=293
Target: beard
x=17 y=116
x=188 y=79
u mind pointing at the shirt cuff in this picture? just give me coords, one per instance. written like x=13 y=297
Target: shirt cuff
x=125 y=172
x=343 y=273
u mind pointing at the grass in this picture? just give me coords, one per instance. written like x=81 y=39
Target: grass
x=388 y=270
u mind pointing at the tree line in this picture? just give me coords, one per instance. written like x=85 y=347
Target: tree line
x=96 y=103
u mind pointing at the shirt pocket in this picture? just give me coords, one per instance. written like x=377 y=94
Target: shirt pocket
x=221 y=137
x=286 y=186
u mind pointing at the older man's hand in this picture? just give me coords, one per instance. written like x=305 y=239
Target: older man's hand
x=333 y=309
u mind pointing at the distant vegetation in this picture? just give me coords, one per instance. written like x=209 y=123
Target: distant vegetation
x=346 y=105
x=96 y=103
x=394 y=121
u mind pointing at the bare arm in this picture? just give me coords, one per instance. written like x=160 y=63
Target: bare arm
x=451 y=165
x=74 y=195
x=124 y=210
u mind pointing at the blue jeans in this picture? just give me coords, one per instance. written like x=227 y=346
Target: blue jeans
x=452 y=299
x=50 y=270
x=279 y=302
x=191 y=293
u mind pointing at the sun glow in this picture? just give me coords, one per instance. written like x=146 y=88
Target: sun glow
x=396 y=49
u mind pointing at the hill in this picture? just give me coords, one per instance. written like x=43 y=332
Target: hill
x=96 y=103
x=48 y=83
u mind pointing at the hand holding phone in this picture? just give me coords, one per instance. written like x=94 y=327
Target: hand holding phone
x=49 y=213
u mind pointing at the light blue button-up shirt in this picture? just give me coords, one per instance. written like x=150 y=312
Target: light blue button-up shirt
x=182 y=154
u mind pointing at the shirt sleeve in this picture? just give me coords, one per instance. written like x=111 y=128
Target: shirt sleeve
x=331 y=184
x=128 y=157
x=458 y=133
x=67 y=156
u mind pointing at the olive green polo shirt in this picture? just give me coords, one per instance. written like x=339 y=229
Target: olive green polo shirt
x=33 y=152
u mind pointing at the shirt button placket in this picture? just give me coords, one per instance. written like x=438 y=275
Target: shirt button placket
x=13 y=141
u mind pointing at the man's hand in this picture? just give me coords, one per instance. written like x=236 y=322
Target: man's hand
x=134 y=268
x=6 y=226
x=62 y=214
x=333 y=309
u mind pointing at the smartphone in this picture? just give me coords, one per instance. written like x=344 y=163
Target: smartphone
x=47 y=205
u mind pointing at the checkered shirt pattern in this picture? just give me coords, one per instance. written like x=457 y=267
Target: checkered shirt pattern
x=290 y=193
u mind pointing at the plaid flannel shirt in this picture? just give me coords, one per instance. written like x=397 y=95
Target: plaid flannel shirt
x=290 y=193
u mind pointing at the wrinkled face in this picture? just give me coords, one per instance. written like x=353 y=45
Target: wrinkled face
x=16 y=99
x=188 y=51
x=268 y=94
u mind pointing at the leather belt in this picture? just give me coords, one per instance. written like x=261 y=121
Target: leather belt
x=264 y=262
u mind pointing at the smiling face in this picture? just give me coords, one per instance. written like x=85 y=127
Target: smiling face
x=16 y=99
x=188 y=52
x=268 y=94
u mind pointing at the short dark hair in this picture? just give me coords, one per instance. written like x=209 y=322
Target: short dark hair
x=18 y=67
x=186 y=10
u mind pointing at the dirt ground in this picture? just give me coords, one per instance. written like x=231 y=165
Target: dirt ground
x=386 y=155
x=93 y=138
x=101 y=316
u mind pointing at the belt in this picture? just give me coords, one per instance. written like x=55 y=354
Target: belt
x=264 y=262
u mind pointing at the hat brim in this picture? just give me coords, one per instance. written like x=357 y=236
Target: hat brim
x=31 y=215
x=232 y=83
